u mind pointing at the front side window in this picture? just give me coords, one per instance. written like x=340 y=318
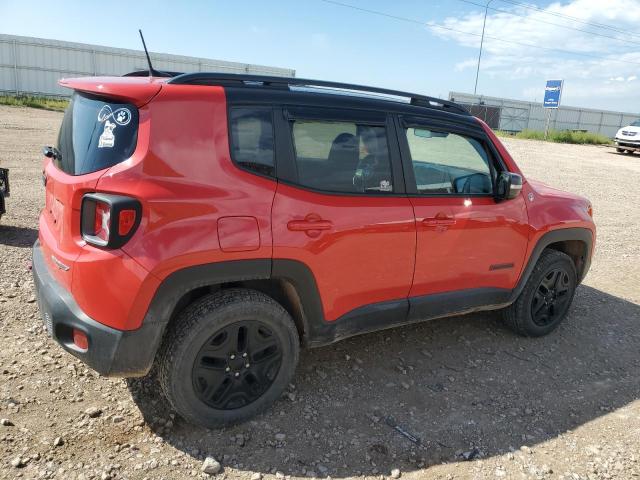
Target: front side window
x=342 y=157
x=448 y=163
x=252 y=139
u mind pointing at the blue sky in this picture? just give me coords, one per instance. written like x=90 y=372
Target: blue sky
x=427 y=54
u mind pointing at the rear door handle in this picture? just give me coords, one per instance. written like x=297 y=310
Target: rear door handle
x=312 y=225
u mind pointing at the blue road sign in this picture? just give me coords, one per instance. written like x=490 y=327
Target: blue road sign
x=552 y=93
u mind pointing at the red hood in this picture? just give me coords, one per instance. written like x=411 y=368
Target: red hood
x=546 y=191
x=136 y=90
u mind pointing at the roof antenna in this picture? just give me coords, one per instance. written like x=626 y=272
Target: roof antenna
x=152 y=71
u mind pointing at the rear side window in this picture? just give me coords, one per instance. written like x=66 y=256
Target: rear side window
x=252 y=139
x=448 y=163
x=342 y=157
x=96 y=134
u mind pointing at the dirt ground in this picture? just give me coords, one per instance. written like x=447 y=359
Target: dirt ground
x=485 y=403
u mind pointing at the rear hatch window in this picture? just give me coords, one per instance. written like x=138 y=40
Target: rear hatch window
x=96 y=133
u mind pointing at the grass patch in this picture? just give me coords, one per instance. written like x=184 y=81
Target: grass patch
x=502 y=133
x=561 y=136
x=55 y=104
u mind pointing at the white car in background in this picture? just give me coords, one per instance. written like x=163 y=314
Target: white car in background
x=628 y=138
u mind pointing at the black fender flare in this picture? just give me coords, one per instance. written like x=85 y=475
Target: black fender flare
x=580 y=234
x=137 y=348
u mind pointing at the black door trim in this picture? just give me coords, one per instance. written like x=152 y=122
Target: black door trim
x=395 y=313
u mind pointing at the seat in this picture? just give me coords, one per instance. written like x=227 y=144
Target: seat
x=342 y=163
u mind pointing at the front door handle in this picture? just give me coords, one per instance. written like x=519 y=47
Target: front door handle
x=441 y=218
x=312 y=225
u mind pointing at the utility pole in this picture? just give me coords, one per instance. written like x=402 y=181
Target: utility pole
x=484 y=23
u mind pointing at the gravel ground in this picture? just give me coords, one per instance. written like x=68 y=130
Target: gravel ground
x=485 y=403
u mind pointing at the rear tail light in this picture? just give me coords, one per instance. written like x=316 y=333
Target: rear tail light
x=126 y=221
x=109 y=221
x=102 y=221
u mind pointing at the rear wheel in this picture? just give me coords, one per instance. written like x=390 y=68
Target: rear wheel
x=546 y=297
x=228 y=356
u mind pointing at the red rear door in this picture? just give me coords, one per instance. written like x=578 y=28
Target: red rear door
x=343 y=212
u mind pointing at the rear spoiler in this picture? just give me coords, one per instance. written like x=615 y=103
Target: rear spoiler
x=136 y=90
x=158 y=73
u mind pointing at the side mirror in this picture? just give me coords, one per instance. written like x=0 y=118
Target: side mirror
x=508 y=186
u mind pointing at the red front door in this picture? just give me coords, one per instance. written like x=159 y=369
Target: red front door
x=465 y=238
x=467 y=243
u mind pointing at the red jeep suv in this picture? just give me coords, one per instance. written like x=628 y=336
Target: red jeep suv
x=211 y=224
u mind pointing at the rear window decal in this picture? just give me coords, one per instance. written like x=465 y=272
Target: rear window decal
x=107 y=139
x=122 y=116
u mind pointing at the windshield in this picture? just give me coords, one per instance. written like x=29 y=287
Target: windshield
x=96 y=134
x=635 y=124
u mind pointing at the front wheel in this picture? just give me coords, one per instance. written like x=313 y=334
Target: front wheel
x=228 y=356
x=546 y=297
x=620 y=150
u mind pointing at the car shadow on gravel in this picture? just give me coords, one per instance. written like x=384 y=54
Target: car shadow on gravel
x=466 y=387
x=12 y=236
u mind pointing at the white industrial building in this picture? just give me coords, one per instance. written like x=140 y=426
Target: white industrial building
x=33 y=66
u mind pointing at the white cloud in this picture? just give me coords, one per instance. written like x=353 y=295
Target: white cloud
x=510 y=60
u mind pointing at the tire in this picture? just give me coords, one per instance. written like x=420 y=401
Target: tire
x=252 y=350
x=620 y=150
x=545 y=300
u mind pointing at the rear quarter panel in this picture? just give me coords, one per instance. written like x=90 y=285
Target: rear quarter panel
x=184 y=177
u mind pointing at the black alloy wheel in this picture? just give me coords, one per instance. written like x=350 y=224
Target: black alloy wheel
x=236 y=365
x=551 y=298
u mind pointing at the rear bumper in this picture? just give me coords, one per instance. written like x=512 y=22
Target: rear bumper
x=110 y=352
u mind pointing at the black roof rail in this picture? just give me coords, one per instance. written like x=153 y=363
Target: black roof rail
x=234 y=79
x=157 y=73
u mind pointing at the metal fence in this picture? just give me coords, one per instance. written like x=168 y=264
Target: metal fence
x=31 y=65
x=516 y=115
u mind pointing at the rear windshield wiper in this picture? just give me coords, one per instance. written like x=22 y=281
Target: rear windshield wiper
x=52 y=152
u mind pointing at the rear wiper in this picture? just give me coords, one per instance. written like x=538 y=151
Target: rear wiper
x=52 y=152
